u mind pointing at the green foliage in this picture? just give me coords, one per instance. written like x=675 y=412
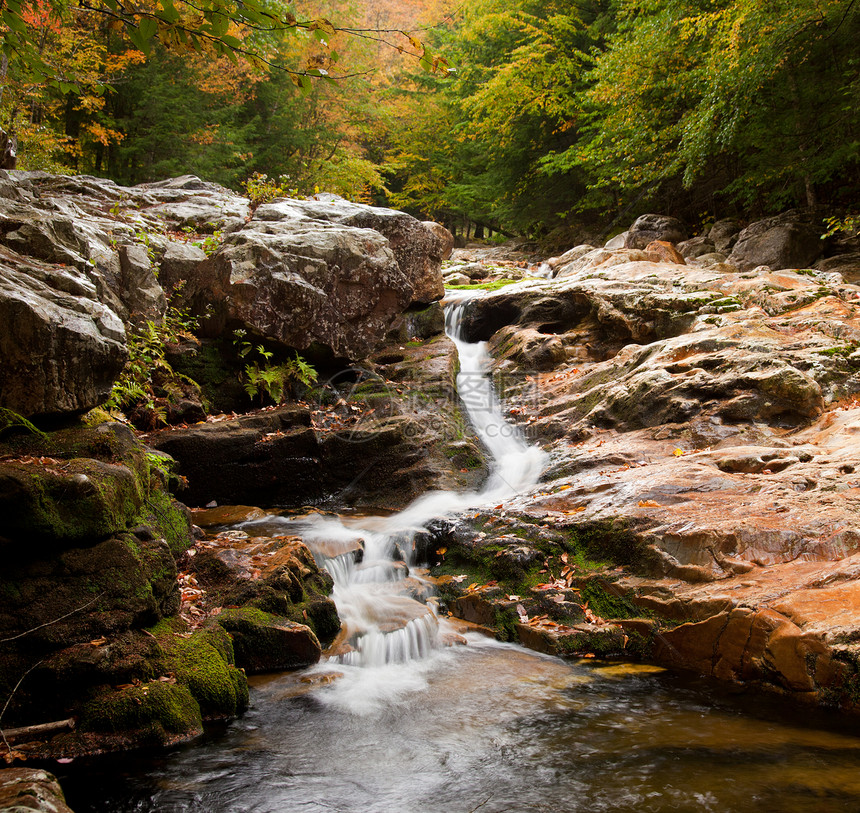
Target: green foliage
x=263 y=378
x=260 y=188
x=146 y=349
x=210 y=243
x=848 y=226
x=566 y=112
x=483 y=286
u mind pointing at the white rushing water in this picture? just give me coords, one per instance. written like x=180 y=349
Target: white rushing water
x=384 y=613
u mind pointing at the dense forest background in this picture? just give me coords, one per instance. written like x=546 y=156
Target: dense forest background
x=558 y=120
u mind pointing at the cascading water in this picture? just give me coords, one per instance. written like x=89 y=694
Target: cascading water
x=497 y=728
x=385 y=615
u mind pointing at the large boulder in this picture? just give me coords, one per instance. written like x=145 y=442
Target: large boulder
x=296 y=283
x=647 y=228
x=788 y=240
x=322 y=271
x=724 y=234
x=269 y=458
x=61 y=349
x=419 y=248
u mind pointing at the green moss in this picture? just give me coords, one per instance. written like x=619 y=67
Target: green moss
x=320 y=614
x=265 y=642
x=595 y=544
x=602 y=642
x=204 y=663
x=483 y=286
x=214 y=367
x=171 y=519
x=11 y=422
x=843 y=351
x=606 y=603
x=96 y=417
x=158 y=709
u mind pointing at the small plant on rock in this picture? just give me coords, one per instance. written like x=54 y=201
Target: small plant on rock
x=260 y=188
x=134 y=389
x=262 y=377
x=848 y=226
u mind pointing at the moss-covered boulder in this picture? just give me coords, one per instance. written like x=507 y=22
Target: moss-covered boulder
x=269 y=643
x=71 y=487
x=153 y=713
x=85 y=592
x=204 y=662
x=89 y=543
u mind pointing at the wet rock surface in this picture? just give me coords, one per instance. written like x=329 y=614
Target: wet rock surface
x=700 y=507
x=23 y=790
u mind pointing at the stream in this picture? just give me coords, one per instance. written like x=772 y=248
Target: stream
x=412 y=713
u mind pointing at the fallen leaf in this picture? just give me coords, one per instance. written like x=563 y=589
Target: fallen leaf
x=649 y=504
x=99 y=641
x=679 y=453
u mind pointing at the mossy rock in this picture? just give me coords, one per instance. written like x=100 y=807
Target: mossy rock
x=74 y=503
x=156 y=712
x=320 y=614
x=169 y=519
x=269 y=643
x=216 y=368
x=73 y=486
x=204 y=663
x=87 y=592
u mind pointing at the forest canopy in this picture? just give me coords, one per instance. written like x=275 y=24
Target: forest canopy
x=556 y=117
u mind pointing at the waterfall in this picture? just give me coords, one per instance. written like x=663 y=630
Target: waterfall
x=378 y=602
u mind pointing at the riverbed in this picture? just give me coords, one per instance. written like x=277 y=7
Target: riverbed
x=496 y=728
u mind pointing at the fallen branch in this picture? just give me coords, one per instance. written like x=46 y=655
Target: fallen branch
x=41 y=728
x=9 y=700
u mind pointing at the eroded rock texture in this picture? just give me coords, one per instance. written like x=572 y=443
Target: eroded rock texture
x=703 y=488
